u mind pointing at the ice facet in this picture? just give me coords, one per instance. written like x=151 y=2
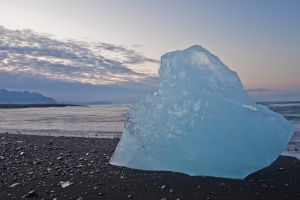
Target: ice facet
x=200 y=122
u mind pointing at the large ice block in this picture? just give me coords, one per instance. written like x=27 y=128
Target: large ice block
x=200 y=122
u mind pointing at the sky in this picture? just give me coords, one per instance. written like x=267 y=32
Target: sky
x=111 y=48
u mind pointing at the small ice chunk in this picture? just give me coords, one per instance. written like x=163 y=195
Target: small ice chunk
x=65 y=184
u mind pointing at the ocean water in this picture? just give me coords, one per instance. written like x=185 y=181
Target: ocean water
x=82 y=121
x=291 y=111
x=106 y=121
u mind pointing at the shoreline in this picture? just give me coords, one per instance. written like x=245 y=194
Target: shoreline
x=43 y=164
x=67 y=134
x=14 y=106
x=292 y=150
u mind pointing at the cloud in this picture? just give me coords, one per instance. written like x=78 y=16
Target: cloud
x=76 y=92
x=96 y=63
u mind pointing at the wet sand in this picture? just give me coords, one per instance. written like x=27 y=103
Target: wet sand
x=33 y=167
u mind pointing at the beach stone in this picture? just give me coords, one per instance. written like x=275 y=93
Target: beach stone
x=15 y=185
x=31 y=194
x=59 y=158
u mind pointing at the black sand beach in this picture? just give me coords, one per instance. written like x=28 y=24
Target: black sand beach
x=32 y=167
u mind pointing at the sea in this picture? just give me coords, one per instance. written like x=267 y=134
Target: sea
x=106 y=121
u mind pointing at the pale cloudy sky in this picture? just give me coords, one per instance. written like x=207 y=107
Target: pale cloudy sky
x=98 y=47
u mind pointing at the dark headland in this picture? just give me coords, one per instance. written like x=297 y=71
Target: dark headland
x=36 y=167
x=24 y=97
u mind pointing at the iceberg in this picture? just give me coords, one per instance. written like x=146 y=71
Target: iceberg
x=200 y=122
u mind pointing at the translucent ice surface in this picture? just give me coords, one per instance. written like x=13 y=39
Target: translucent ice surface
x=200 y=122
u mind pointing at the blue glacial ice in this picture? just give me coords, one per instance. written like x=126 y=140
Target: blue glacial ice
x=200 y=122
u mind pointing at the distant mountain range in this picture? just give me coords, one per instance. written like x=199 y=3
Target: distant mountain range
x=25 y=97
